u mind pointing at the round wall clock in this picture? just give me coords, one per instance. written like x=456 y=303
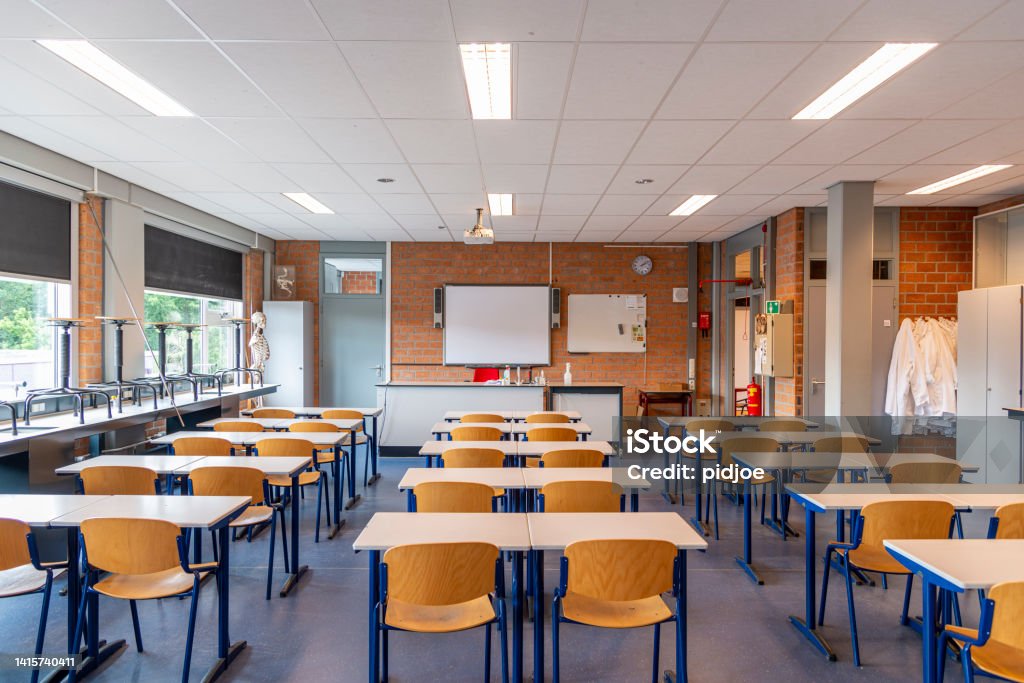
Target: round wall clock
x=642 y=265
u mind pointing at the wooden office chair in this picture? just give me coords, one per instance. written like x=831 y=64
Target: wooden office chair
x=361 y=437
x=442 y=588
x=273 y=412
x=581 y=496
x=143 y=559
x=118 y=480
x=21 y=572
x=996 y=647
x=547 y=418
x=1007 y=522
x=244 y=481
x=616 y=584
x=239 y=426
x=471 y=433
x=202 y=445
x=453 y=496
x=572 y=457
x=782 y=426
x=741 y=444
x=709 y=424
x=475 y=457
x=551 y=434
x=291 y=448
x=470 y=418
x=925 y=473
x=831 y=444
x=891 y=519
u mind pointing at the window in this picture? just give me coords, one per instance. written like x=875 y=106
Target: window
x=213 y=345
x=28 y=348
x=353 y=275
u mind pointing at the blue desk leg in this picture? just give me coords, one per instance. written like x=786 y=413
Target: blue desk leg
x=226 y=650
x=374 y=664
x=336 y=469
x=746 y=562
x=353 y=497
x=517 y=615
x=634 y=501
x=373 y=454
x=680 y=673
x=806 y=625
x=928 y=664
x=698 y=496
x=538 y=614
x=297 y=569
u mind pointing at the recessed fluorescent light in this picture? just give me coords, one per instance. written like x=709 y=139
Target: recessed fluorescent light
x=96 y=63
x=692 y=205
x=501 y=204
x=307 y=202
x=868 y=75
x=960 y=178
x=488 y=70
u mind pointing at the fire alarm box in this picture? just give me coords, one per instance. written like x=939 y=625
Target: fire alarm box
x=704 y=320
x=773 y=345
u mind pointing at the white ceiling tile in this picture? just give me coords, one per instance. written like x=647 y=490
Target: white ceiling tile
x=983 y=149
x=367 y=174
x=410 y=79
x=353 y=141
x=509 y=236
x=23 y=19
x=450 y=178
x=912 y=21
x=351 y=204
x=778 y=178
x=262 y=229
x=25 y=93
x=435 y=142
x=843 y=172
x=555 y=236
x=639 y=235
x=460 y=206
x=622 y=80
x=528 y=204
x=153 y=19
x=969 y=200
x=326 y=222
x=541 y=74
x=279 y=220
x=252 y=177
x=597 y=236
x=838 y=140
x=345 y=234
x=255 y=19
x=514 y=223
x=193 y=138
x=651 y=20
x=787 y=202
x=274 y=140
x=386 y=19
x=1003 y=24
x=677 y=142
x=420 y=222
x=191 y=177
x=569 y=204
x=372 y=222
x=484 y=21
x=526 y=178
x=711 y=179
x=783 y=20
x=431 y=236
x=240 y=202
x=1006 y=182
x=318 y=177
x=623 y=205
x=390 y=236
x=662 y=175
x=311 y=234
x=110 y=137
x=680 y=235
x=654 y=223
x=922 y=140
x=556 y=223
x=608 y=224
x=50 y=139
x=752 y=142
x=699 y=222
x=595 y=142
x=723 y=81
x=412 y=204
x=913 y=177
x=515 y=142
x=725 y=205
x=580 y=179
x=999 y=99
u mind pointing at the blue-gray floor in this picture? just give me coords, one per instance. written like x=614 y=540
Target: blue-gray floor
x=737 y=631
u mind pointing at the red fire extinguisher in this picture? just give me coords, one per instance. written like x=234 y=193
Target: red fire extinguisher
x=753 y=397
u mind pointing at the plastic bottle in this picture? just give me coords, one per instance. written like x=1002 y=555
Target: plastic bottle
x=507 y=377
x=567 y=377
x=542 y=380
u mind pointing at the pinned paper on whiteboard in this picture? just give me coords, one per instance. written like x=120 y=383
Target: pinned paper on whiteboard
x=635 y=302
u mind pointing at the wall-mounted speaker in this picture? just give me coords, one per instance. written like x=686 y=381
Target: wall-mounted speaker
x=556 y=308
x=438 y=307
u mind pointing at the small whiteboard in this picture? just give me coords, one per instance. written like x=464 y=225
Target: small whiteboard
x=608 y=323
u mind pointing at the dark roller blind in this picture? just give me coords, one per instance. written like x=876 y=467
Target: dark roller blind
x=182 y=264
x=35 y=233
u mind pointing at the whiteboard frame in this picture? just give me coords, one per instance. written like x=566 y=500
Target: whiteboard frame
x=635 y=347
x=497 y=363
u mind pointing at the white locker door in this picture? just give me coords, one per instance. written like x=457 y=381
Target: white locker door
x=972 y=381
x=1004 y=383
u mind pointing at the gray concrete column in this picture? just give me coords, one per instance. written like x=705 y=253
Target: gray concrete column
x=850 y=234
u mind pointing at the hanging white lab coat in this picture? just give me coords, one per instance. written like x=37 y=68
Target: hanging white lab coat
x=940 y=369
x=907 y=385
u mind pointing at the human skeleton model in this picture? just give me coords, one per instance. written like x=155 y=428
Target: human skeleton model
x=259 y=347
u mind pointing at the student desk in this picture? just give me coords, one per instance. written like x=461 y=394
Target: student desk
x=514 y=415
x=510 y=532
x=550 y=531
x=265 y=422
x=955 y=565
x=435 y=449
x=649 y=397
x=270 y=466
x=163 y=465
x=509 y=478
x=535 y=449
x=205 y=512
x=536 y=478
x=443 y=430
x=520 y=429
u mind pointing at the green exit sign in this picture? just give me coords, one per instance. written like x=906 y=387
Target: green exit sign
x=773 y=307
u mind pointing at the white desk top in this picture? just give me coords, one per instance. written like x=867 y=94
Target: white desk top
x=788 y=438
x=524 y=427
x=856 y=496
x=269 y=465
x=542 y=447
x=39 y=509
x=265 y=422
x=508 y=531
x=446 y=427
x=435 y=447
x=523 y=414
x=555 y=531
x=198 y=512
x=538 y=477
x=965 y=563
x=317 y=411
x=161 y=464
x=347 y=424
x=250 y=438
x=452 y=415
x=455 y=415
x=500 y=477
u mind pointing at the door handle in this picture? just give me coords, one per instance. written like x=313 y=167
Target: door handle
x=815 y=383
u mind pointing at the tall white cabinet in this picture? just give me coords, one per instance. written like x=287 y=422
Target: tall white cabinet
x=990 y=378
x=290 y=334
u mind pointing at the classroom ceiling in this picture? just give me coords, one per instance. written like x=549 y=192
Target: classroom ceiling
x=327 y=96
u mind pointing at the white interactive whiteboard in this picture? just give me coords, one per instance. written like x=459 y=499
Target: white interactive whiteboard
x=610 y=323
x=497 y=325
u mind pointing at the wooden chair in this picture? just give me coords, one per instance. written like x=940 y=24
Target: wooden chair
x=202 y=445
x=551 y=434
x=139 y=559
x=239 y=426
x=325 y=456
x=572 y=457
x=475 y=457
x=471 y=433
x=442 y=588
x=925 y=473
x=581 y=496
x=118 y=480
x=470 y=418
x=290 y=448
x=453 y=496
x=547 y=418
x=709 y=424
x=274 y=412
x=891 y=519
x=996 y=647
x=741 y=444
x=617 y=584
x=831 y=444
x=245 y=481
x=782 y=426
x=361 y=437
x=21 y=572
x=1007 y=522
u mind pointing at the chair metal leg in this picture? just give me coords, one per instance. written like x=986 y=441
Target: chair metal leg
x=487 y=652
x=503 y=638
x=824 y=586
x=714 y=488
x=284 y=543
x=79 y=624
x=656 y=666
x=41 y=632
x=273 y=542
x=906 y=600
x=135 y=625
x=965 y=660
x=384 y=653
x=555 y=619
x=319 y=496
x=193 y=604
x=853 y=612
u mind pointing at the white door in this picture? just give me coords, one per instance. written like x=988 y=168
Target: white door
x=290 y=335
x=1004 y=384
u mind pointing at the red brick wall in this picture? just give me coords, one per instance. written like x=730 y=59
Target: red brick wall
x=789 y=286
x=90 y=291
x=417 y=268
x=359 y=283
x=305 y=256
x=936 y=259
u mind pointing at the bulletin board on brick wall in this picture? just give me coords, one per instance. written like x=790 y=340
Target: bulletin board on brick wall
x=607 y=323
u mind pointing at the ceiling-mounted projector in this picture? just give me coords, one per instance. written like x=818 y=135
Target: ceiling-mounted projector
x=479 y=233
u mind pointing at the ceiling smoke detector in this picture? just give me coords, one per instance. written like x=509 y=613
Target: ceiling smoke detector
x=479 y=233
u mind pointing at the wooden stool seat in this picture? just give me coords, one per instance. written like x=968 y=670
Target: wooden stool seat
x=615 y=613
x=163 y=584
x=21 y=581
x=439 y=618
x=305 y=479
x=254 y=514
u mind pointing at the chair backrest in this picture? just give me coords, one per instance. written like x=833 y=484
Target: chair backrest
x=551 y=434
x=312 y=426
x=273 y=412
x=131 y=546
x=202 y=445
x=13 y=544
x=118 y=480
x=620 y=569
x=239 y=426
x=582 y=496
x=573 y=457
x=285 y=448
x=471 y=433
x=904 y=519
x=440 y=573
x=453 y=496
x=710 y=424
x=546 y=418
x=470 y=418
x=841 y=444
x=228 y=481
x=1008 y=614
x=473 y=457
x=344 y=414
x=925 y=473
x=745 y=444
x=1011 y=521
x=782 y=426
